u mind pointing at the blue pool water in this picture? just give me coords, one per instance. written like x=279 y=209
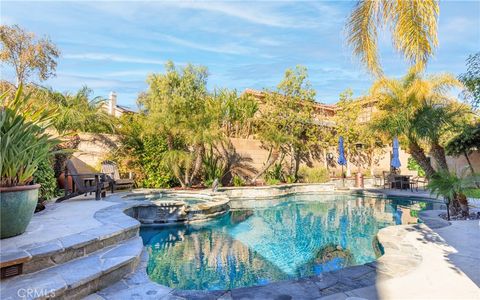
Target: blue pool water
x=294 y=237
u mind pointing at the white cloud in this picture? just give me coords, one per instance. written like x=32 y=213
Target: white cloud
x=114 y=57
x=228 y=48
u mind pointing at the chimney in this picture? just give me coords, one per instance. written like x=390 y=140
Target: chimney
x=112 y=103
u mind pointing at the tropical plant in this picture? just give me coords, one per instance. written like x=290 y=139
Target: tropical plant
x=413 y=27
x=26 y=55
x=238 y=181
x=234 y=113
x=45 y=176
x=24 y=143
x=77 y=112
x=276 y=174
x=178 y=107
x=471 y=79
x=452 y=188
x=141 y=153
x=212 y=168
x=419 y=111
x=314 y=175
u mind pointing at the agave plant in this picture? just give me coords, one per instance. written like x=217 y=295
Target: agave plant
x=24 y=143
x=452 y=188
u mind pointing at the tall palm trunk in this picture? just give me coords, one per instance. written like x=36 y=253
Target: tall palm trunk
x=419 y=155
x=438 y=154
x=272 y=158
x=200 y=151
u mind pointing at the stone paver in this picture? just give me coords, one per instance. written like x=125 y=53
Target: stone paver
x=75 y=273
x=58 y=220
x=464 y=236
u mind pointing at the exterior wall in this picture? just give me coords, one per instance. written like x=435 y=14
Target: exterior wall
x=460 y=164
x=94 y=148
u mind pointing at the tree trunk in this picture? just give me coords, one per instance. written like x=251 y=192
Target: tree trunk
x=419 y=155
x=274 y=154
x=200 y=151
x=438 y=154
x=170 y=142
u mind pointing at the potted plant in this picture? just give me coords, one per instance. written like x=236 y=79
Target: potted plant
x=23 y=145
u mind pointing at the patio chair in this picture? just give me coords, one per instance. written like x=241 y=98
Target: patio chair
x=390 y=181
x=83 y=180
x=110 y=169
x=416 y=181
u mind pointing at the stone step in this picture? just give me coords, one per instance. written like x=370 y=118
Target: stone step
x=38 y=256
x=79 y=277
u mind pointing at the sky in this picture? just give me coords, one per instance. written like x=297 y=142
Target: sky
x=114 y=45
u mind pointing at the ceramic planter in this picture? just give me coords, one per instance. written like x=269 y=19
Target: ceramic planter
x=17 y=205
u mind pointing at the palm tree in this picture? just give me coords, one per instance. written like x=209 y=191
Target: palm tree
x=413 y=24
x=419 y=111
x=75 y=113
x=78 y=112
x=452 y=188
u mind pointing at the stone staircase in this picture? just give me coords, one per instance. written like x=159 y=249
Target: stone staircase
x=73 y=266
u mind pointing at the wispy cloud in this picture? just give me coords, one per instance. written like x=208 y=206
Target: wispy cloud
x=261 y=13
x=226 y=48
x=114 y=57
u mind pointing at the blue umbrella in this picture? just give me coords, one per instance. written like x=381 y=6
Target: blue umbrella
x=395 y=163
x=341 y=157
x=341 y=152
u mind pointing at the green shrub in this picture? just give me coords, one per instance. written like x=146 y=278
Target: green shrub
x=412 y=165
x=272 y=181
x=275 y=174
x=212 y=168
x=238 y=181
x=313 y=175
x=155 y=173
x=45 y=176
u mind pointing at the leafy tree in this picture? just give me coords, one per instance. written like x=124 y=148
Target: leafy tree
x=26 y=54
x=287 y=124
x=234 y=113
x=141 y=153
x=471 y=79
x=413 y=26
x=419 y=111
x=465 y=143
x=177 y=106
x=356 y=131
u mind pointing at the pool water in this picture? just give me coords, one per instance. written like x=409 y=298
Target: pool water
x=296 y=237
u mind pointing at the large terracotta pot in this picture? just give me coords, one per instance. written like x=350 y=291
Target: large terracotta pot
x=17 y=205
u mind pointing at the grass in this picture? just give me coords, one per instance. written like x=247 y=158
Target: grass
x=473 y=193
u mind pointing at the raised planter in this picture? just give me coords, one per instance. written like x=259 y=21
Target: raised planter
x=17 y=205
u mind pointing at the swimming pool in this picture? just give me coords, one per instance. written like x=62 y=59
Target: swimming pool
x=297 y=237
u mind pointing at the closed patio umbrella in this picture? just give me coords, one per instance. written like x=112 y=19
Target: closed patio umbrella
x=341 y=157
x=395 y=163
